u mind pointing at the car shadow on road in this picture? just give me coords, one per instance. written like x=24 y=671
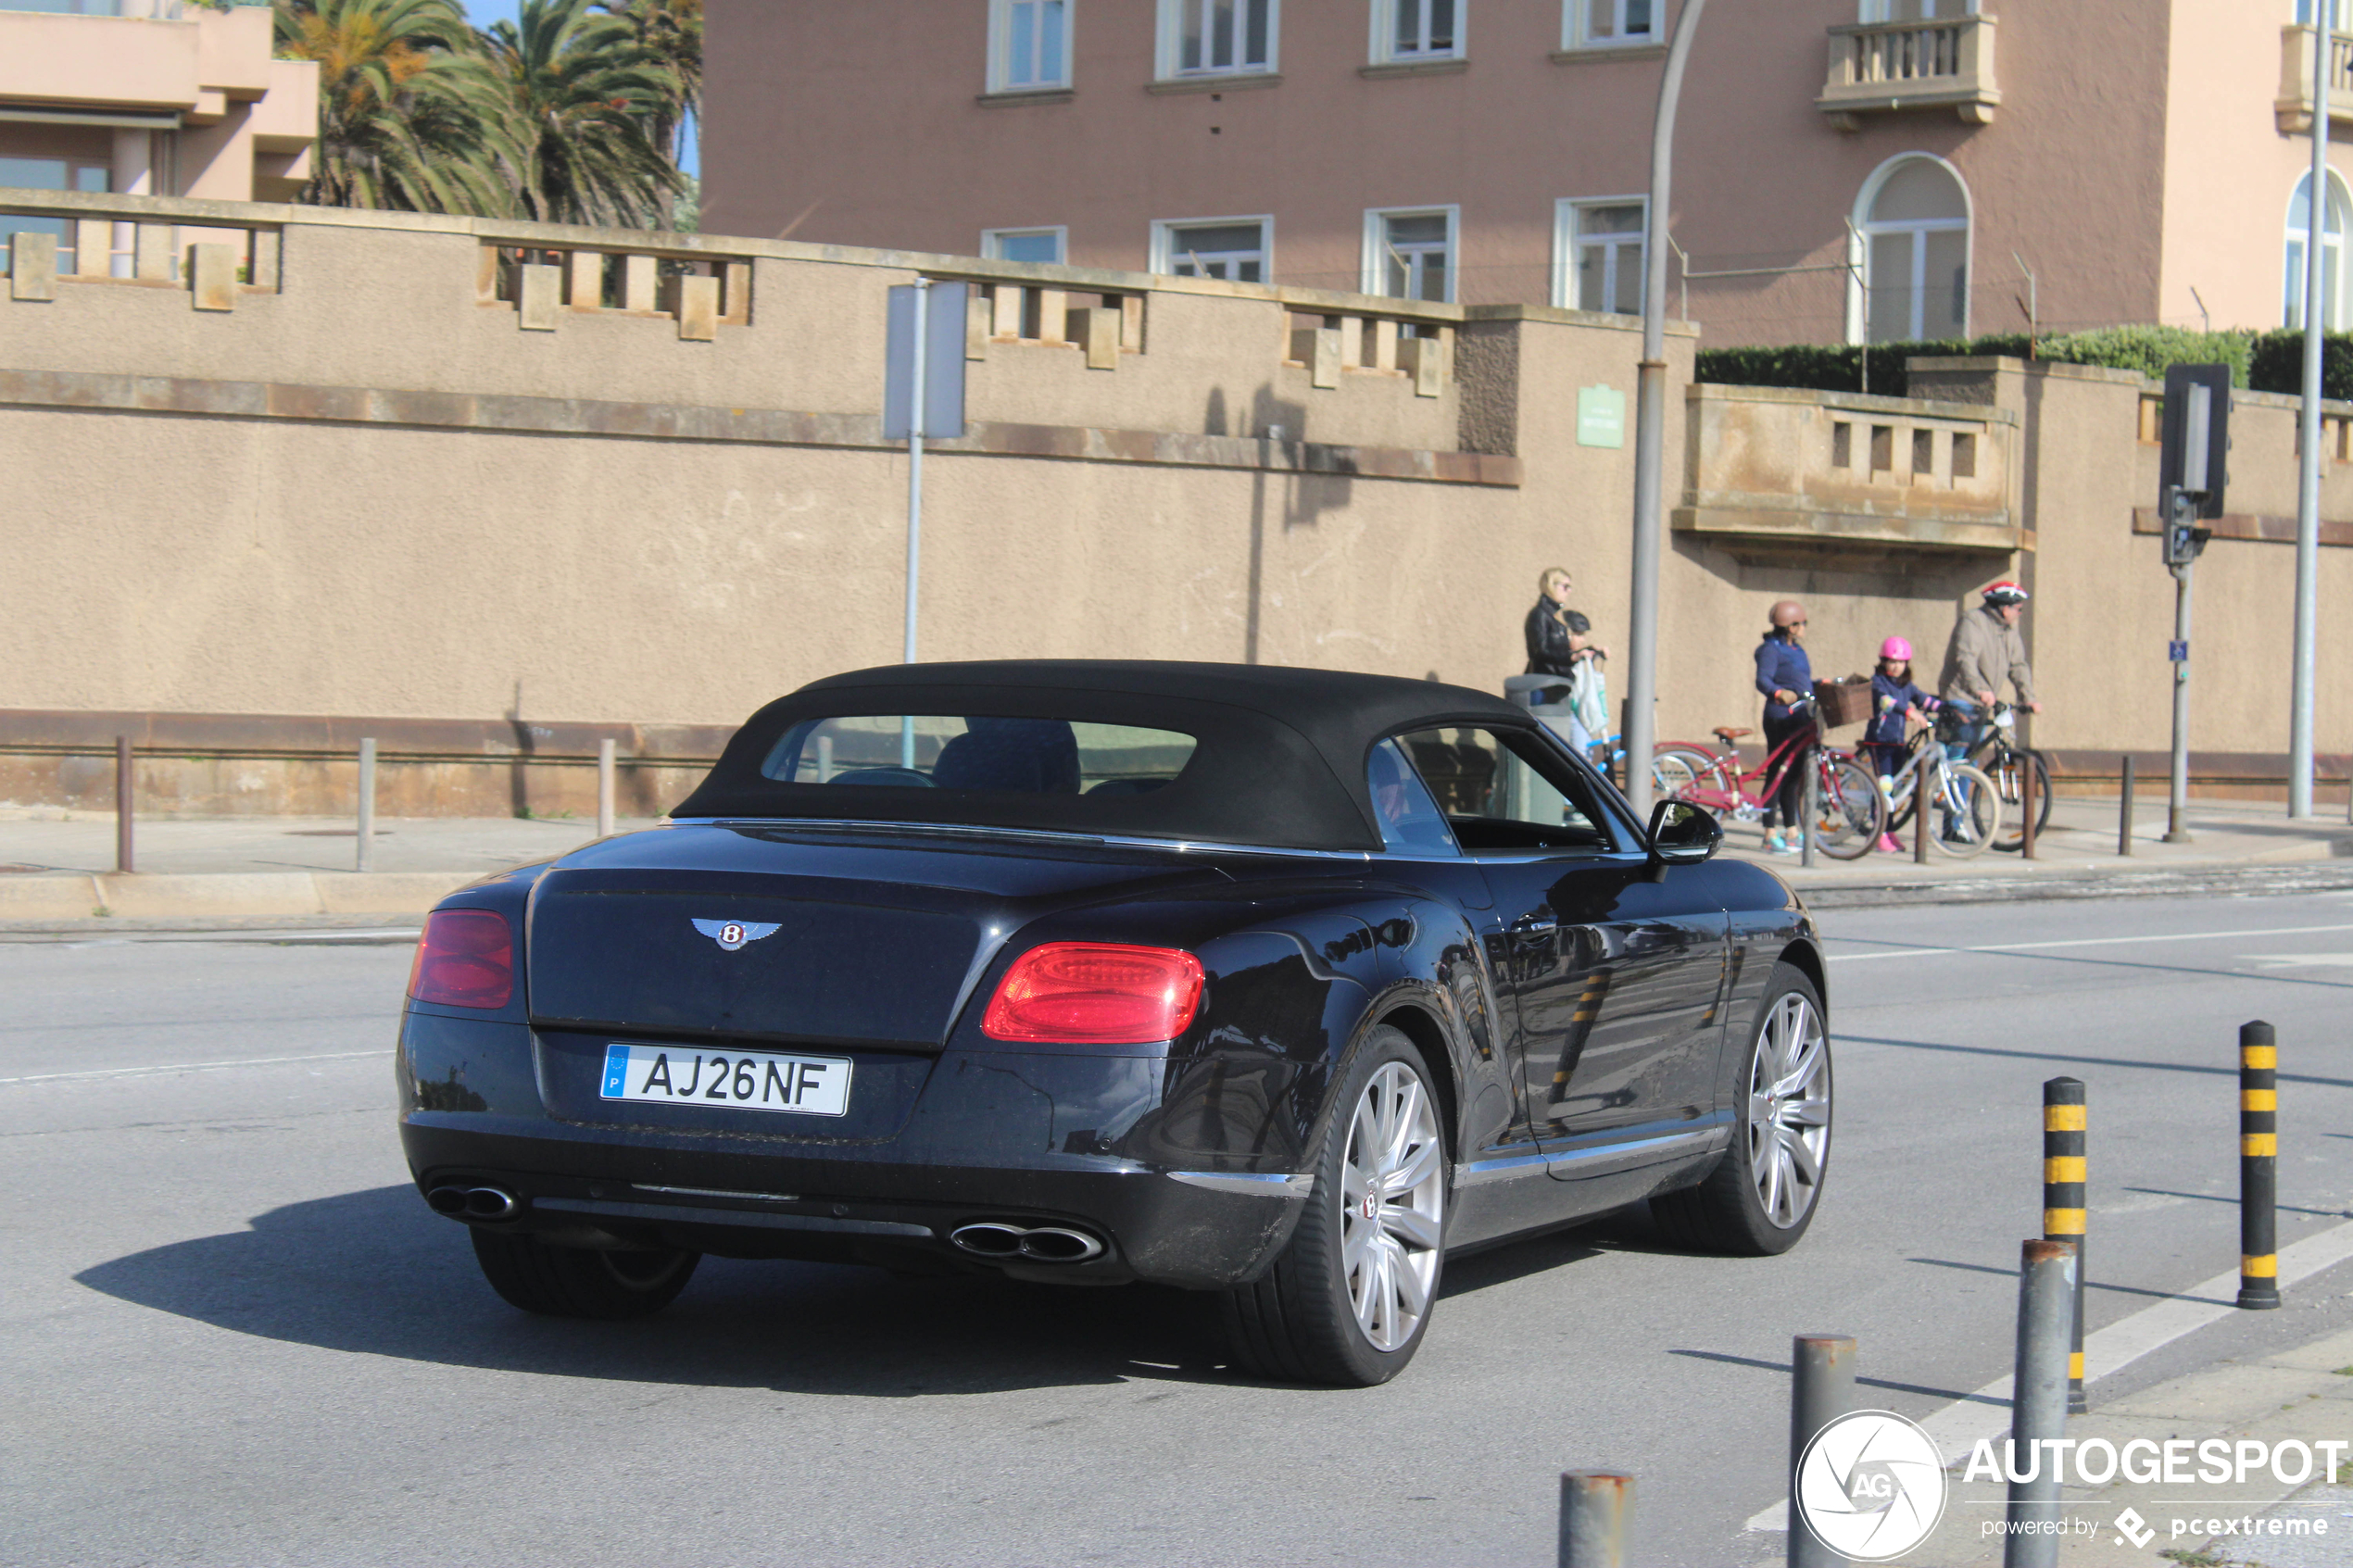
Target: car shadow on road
x=373 y=1272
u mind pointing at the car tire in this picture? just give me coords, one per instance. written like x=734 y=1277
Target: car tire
x=578 y=1281
x=1337 y=1305
x=1773 y=1135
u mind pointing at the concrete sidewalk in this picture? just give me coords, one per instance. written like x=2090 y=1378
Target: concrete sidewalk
x=56 y=865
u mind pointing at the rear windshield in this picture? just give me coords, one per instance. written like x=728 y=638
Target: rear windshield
x=979 y=753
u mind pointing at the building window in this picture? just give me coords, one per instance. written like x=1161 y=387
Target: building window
x=1597 y=256
x=1028 y=46
x=1405 y=30
x=1609 y=24
x=1217 y=37
x=49 y=174
x=1047 y=245
x=2336 y=13
x=1234 y=248
x=1410 y=255
x=1914 y=226
x=1912 y=10
x=2333 y=225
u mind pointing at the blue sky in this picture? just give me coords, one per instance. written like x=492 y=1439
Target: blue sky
x=482 y=13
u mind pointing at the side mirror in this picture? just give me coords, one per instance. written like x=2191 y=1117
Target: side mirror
x=1682 y=834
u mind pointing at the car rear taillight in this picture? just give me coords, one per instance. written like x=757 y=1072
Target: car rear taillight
x=1096 y=994
x=466 y=959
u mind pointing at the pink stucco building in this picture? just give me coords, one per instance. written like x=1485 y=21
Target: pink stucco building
x=1849 y=169
x=152 y=98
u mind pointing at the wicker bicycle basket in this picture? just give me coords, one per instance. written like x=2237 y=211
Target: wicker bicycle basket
x=1842 y=703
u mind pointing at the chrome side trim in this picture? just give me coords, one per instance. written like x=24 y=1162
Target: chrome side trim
x=1252 y=1185
x=1481 y=1171
x=1608 y=1157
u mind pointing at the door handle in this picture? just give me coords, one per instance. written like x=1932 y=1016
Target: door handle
x=1536 y=922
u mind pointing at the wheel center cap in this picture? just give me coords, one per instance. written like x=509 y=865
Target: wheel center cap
x=1370 y=1206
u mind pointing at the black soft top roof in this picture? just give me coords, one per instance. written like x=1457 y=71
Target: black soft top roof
x=1280 y=759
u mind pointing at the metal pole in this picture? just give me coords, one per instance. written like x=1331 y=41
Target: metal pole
x=1812 y=796
x=2063 y=1206
x=1821 y=1389
x=914 y=494
x=1925 y=776
x=2178 y=800
x=2038 y=1401
x=2026 y=801
x=2258 y=1167
x=125 y=788
x=365 y=856
x=1650 y=427
x=604 y=788
x=2308 y=489
x=1596 y=1506
x=2124 y=811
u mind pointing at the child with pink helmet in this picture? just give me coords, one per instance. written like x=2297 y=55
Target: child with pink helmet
x=1894 y=700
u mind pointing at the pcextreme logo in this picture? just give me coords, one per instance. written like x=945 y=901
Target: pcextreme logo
x=1870 y=1485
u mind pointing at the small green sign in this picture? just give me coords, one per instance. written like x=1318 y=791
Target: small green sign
x=1600 y=417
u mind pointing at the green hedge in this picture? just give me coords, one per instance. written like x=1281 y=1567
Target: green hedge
x=1839 y=367
x=2277 y=363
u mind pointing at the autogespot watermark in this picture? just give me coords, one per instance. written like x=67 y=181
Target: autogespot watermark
x=1871 y=1485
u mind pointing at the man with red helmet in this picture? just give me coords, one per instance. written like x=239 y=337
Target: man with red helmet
x=1986 y=650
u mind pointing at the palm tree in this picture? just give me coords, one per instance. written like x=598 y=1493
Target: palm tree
x=584 y=95
x=409 y=117
x=670 y=34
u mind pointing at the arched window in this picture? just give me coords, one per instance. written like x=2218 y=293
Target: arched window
x=1915 y=224
x=2299 y=224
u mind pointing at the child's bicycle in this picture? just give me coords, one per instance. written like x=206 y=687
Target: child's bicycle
x=1964 y=804
x=2005 y=762
x=1849 y=814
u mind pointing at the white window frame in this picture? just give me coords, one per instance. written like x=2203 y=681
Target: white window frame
x=1383 y=49
x=992 y=242
x=1858 y=248
x=2333 y=313
x=1169 y=43
x=1000 y=44
x=1573 y=36
x=2304 y=9
x=1377 y=245
x=1871 y=13
x=1565 y=213
x=1164 y=258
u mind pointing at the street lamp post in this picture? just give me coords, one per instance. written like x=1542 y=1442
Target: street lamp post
x=2308 y=490
x=1650 y=427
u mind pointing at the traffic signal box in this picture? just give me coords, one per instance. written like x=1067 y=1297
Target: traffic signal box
x=2192 y=464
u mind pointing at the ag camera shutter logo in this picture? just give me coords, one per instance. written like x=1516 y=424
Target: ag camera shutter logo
x=1870 y=1485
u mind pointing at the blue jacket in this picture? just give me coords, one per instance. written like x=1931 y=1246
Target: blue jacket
x=1781 y=663
x=1889 y=700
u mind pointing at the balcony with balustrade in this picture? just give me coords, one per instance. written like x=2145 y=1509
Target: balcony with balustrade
x=2293 y=105
x=1937 y=63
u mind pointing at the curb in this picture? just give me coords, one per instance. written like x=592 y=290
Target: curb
x=107 y=896
x=2244 y=881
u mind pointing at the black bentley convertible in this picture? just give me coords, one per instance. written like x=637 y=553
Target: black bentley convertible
x=1275 y=983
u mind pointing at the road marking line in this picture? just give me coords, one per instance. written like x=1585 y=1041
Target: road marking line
x=184 y=1067
x=1986 y=1414
x=2080 y=942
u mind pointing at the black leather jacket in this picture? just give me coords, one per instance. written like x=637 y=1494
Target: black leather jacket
x=1548 y=652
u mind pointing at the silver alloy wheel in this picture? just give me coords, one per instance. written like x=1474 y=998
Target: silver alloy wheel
x=1392 y=1188
x=1789 y=1109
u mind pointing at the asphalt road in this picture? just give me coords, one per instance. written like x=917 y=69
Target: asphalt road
x=230 y=1333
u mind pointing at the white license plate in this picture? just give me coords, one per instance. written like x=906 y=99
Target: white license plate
x=805 y=1086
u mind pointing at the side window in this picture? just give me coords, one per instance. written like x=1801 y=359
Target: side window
x=1411 y=823
x=1502 y=791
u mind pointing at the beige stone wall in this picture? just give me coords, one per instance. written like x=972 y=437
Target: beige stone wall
x=372 y=494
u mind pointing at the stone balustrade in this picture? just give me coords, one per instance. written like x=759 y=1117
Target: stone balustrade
x=1329 y=344
x=1942 y=62
x=2294 y=105
x=701 y=292
x=1770 y=467
x=44 y=244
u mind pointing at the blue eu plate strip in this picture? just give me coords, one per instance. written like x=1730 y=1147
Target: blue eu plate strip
x=616 y=1072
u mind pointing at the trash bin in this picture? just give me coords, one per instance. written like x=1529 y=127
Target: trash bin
x=1547 y=697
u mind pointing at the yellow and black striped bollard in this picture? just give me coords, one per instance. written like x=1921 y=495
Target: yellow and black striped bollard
x=2063 y=1204
x=2258 y=1166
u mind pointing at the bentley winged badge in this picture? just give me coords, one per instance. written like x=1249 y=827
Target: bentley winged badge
x=732 y=933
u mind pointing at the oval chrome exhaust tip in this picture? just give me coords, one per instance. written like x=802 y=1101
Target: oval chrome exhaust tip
x=988 y=1239
x=489 y=1203
x=1056 y=1244
x=446 y=1200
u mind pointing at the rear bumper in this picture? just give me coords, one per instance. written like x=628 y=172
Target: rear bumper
x=583 y=1186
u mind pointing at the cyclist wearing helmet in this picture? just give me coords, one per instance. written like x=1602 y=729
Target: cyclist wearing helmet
x=1894 y=700
x=1985 y=651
